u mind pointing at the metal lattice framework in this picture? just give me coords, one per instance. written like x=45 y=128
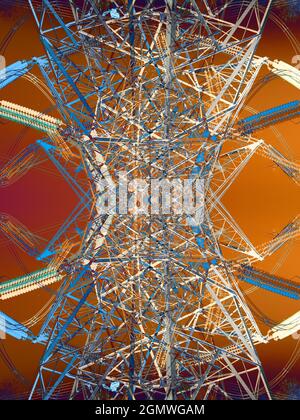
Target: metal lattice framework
x=148 y=306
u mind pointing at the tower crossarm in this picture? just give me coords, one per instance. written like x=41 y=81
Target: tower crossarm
x=286 y=328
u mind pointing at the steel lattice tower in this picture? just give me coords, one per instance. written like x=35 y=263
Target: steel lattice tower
x=149 y=307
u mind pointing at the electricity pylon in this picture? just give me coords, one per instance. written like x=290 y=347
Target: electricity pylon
x=149 y=307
